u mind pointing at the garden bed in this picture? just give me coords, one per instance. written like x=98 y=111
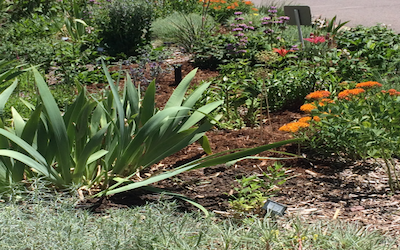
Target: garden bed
x=317 y=189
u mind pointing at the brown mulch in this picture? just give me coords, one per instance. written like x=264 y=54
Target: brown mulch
x=317 y=189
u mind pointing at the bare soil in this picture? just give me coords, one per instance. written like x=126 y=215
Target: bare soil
x=317 y=188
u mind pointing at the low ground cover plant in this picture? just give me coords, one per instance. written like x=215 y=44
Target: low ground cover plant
x=51 y=221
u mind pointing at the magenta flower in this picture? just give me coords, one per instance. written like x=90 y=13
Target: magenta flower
x=316 y=40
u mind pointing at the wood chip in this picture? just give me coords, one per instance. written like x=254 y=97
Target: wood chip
x=311 y=172
x=336 y=213
x=356 y=208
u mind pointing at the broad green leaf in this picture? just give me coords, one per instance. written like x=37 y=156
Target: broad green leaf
x=5 y=95
x=87 y=151
x=180 y=91
x=57 y=125
x=200 y=114
x=205 y=144
x=148 y=103
x=18 y=122
x=201 y=163
x=25 y=146
x=151 y=127
x=97 y=155
x=119 y=107
x=132 y=96
x=43 y=169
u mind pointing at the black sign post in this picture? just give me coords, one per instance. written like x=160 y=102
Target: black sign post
x=274 y=208
x=299 y=15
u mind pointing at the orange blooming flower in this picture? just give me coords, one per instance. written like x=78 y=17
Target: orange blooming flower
x=248 y=2
x=368 y=84
x=255 y=9
x=305 y=119
x=316 y=118
x=391 y=92
x=318 y=95
x=282 y=51
x=236 y=4
x=229 y=7
x=345 y=94
x=327 y=100
x=293 y=126
x=307 y=107
x=323 y=101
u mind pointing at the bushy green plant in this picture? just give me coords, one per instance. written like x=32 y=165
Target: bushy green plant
x=108 y=141
x=28 y=40
x=377 y=46
x=253 y=191
x=243 y=40
x=358 y=122
x=126 y=26
x=24 y=8
x=183 y=29
x=211 y=51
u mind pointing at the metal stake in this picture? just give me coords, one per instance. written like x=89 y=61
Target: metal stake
x=297 y=17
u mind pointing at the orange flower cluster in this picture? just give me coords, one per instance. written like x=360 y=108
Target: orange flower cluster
x=233 y=5
x=391 y=92
x=323 y=101
x=316 y=95
x=301 y=123
x=317 y=118
x=368 y=85
x=305 y=119
x=293 y=126
x=346 y=94
x=308 y=107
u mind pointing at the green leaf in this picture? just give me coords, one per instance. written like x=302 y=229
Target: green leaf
x=179 y=93
x=43 y=169
x=205 y=144
x=204 y=162
x=5 y=95
x=148 y=103
x=58 y=127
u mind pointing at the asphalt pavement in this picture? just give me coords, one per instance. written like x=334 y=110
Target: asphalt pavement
x=364 y=12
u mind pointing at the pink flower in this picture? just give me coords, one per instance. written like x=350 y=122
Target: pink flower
x=316 y=40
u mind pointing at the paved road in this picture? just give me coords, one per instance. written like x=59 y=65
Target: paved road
x=364 y=12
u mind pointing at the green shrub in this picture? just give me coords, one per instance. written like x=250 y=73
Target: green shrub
x=378 y=47
x=126 y=26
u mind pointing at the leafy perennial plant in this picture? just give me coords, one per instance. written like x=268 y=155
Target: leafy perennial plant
x=106 y=143
x=361 y=121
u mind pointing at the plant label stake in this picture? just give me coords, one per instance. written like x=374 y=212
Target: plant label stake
x=178 y=73
x=274 y=208
x=298 y=15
